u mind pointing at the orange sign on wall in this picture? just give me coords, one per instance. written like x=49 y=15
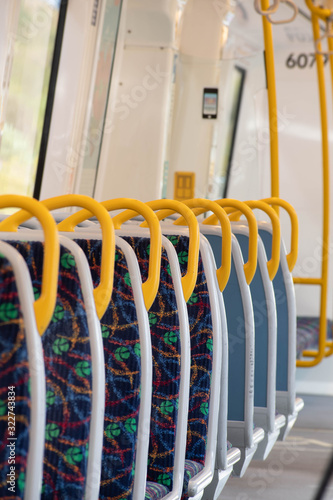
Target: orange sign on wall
x=184 y=185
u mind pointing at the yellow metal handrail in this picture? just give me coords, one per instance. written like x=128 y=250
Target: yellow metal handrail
x=204 y=205
x=292 y=255
x=251 y=265
x=165 y=209
x=270 y=71
x=272 y=103
x=274 y=262
x=102 y=293
x=150 y=286
x=319 y=354
x=45 y=304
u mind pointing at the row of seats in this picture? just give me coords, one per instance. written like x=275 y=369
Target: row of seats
x=142 y=359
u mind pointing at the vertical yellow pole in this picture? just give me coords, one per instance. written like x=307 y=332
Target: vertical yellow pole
x=272 y=106
x=330 y=49
x=330 y=45
x=329 y=22
x=323 y=281
x=325 y=159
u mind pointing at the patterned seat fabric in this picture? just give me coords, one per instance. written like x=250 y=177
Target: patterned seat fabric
x=14 y=377
x=155 y=491
x=191 y=470
x=123 y=377
x=67 y=360
x=201 y=331
x=166 y=348
x=308 y=333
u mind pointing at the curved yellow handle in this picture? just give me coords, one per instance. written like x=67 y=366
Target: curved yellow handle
x=132 y=208
x=322 y=13
x=251 y=265
x=274 y=262
x=168 y=207
x=204 y=205
x=103 y=292
x=45 y=304
x=292 y=255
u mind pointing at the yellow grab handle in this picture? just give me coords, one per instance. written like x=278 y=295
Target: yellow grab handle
x=274 y=262
x=45 y=304
x=204 y=205
x=103 y=292
x=168 y=207
x=292 y=255
x=251 y=265
x=150 y=286
x=318 y=11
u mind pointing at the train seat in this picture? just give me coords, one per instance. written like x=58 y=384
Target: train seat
x=227 y=455
x=242 y=432
x=127 y=350
x=169 y=328
x=287 y=403
x=22 y=377
x=71 y=340
x=206 y=364
x=264 y=308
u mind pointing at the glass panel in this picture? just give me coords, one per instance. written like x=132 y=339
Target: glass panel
x=23 y=97
x=99 y=97
x=224 y=137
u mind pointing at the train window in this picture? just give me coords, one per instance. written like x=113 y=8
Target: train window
x=238 y=84
x=28 y=42
x=223 y=150
x=98 y=99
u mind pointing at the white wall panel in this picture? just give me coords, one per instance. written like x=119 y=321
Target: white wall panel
x=65 y=147
x=134 y=146
x=134 y=141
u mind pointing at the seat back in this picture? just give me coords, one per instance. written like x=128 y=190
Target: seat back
x=68 y=369
x=286 y=324
x=206 y=355
x=97 y=367
x=240 y=321
x=170 y=340
x=22 y=382
x=264 y=309
x=127 y=353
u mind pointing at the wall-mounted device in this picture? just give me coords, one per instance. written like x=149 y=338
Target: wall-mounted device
x=210 y=103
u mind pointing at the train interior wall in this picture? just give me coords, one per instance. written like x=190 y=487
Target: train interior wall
x=147 y=124
x=127 y=113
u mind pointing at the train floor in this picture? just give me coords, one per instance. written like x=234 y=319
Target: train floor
x=294 y=468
